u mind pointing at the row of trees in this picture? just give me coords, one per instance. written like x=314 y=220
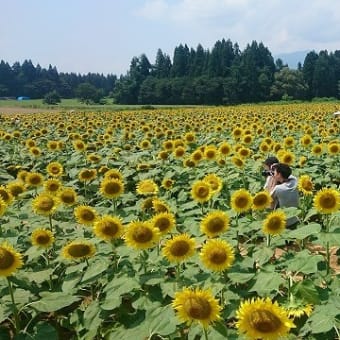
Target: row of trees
x=224 y=75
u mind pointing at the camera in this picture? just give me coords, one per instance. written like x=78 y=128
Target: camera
x=267 y=173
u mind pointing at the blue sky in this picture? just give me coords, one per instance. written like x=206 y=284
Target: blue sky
x=103 y=35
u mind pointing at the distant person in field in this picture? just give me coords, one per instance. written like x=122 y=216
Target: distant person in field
x=283 y=190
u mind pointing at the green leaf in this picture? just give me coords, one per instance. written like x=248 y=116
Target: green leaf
x=333 y=239
x=45 y=331
x=263 y=255
x=92 y=319
x=95 y=269
x=53 y=301
x=305 y=231
x=303 y=262
x=161 y=321
x=307 y=291
x=267 y=282
x=322 y=320
x=240 y=277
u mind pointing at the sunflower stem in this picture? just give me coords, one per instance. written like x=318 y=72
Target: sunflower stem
x=50 y=220
x=328 y=258
x=268 y=240
x=15 y=309
x=205 y=333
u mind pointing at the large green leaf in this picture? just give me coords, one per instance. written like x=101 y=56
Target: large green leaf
x=306 y=290
x=161 y=321
x=262 y=255
x=97 y=267
x=267 y=282
x=302 y=232
x=53 y=301
x=45 y=331
x=304 y=263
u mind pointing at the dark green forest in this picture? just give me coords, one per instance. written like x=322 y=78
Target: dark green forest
x=222 y=75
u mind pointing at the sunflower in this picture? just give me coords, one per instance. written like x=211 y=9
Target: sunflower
x=302 y=161
x=93 y=158
x=317 y=149
x=42 y=238
x=52 y=145
x=6 y=195
x=210 y=152
x=306 y=140
x=215 y=223
x=35 y=151
x=179 y=152
x=16 y=188
x=197 y=155
x=85 y=214
x=34 y=179
x=45 y=204
x=111 y=188
x=10 y=260
x=108 y=228
x=67 y=196
x=241 y=201
x=159 y=205
x=201 y=191
x=305 y=185
x=147 y=187
x=179 y=248
x=87 y=175
x=296 y=309
x=244 y=152
x=55 y=169
x=333 y=148
x=262 y=319
x=217 y=255
x=274 y=223
x=190 y=137
x=164 y=222
x=168 y=183
x=287 y=157
x=261 y=200
x=237 y=161
x=79 y=145
x=189 y=162
x=168 y=145
x=214 y=181
x=224 y=149
x=237 y=133
x=52 y=185
x=196 y=305
x=3 y=206
x=141 y=235
x=22 y=175
x=163 y=155
x=78 y=249
x=289 y=141
x=113 y=174
x=327 y=201
x=145 y=144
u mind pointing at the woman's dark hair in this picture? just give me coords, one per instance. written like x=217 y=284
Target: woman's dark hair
x=282 y=169
x=271 y=160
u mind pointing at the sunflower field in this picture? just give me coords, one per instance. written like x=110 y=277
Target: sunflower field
x=154 y=224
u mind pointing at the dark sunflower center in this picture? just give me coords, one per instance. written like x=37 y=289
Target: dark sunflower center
x=55 y=170
x=79 y=250
x=328 y=201
x=162 y=223
x=142 y=234
x=179 y=248
x=67 y=198
x=46 y=204
x=53 y=187
x=43 y=239
x=218 y=256
x=112 y=188
x=241 y=202
x=110 y=228
x=307 y=185
x=35 y=180
x=274 y=223
x=4 y=195
x=202 y=192
x=16 y=190
x=210 y=154
x=88 y=215
x=260 y=200
x=197 y=308
x=6 y=259
x=264 y=321
x=216 y=224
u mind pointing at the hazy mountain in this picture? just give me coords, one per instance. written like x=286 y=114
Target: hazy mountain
x=292 y=58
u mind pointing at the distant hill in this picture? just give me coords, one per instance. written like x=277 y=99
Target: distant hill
x=292 y=58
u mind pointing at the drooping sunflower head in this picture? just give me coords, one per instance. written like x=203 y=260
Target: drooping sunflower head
x=52 y=185
x=164 y=222
x=261 y=200
x=201 y=191
x=10 y=260
x=327 y=201
x=85 y=214
x=196 y=305
x=22 y=175
x=108 y=228
x=55 y=169
x=214 y=181
x=42 y=238
x=87 y=175
x=302 y=161
x=305 y=185
x=16 y=188
x=217 y=255
x=159 y=205
x=141 y=235
x=6 y=195
x=34 y=179
x=262 y=319
x=147 y=187
x=298 y=309
x=94 y=158
x=111 y=188
x=3 y=206
x=78 y=249
x=241 y=201
x=179 y=248
x=237 y=161
x=45 y=204
x=113 y=174
x=274 y=223
x=215 y=223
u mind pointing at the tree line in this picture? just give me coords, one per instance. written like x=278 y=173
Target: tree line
x=222 y=75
